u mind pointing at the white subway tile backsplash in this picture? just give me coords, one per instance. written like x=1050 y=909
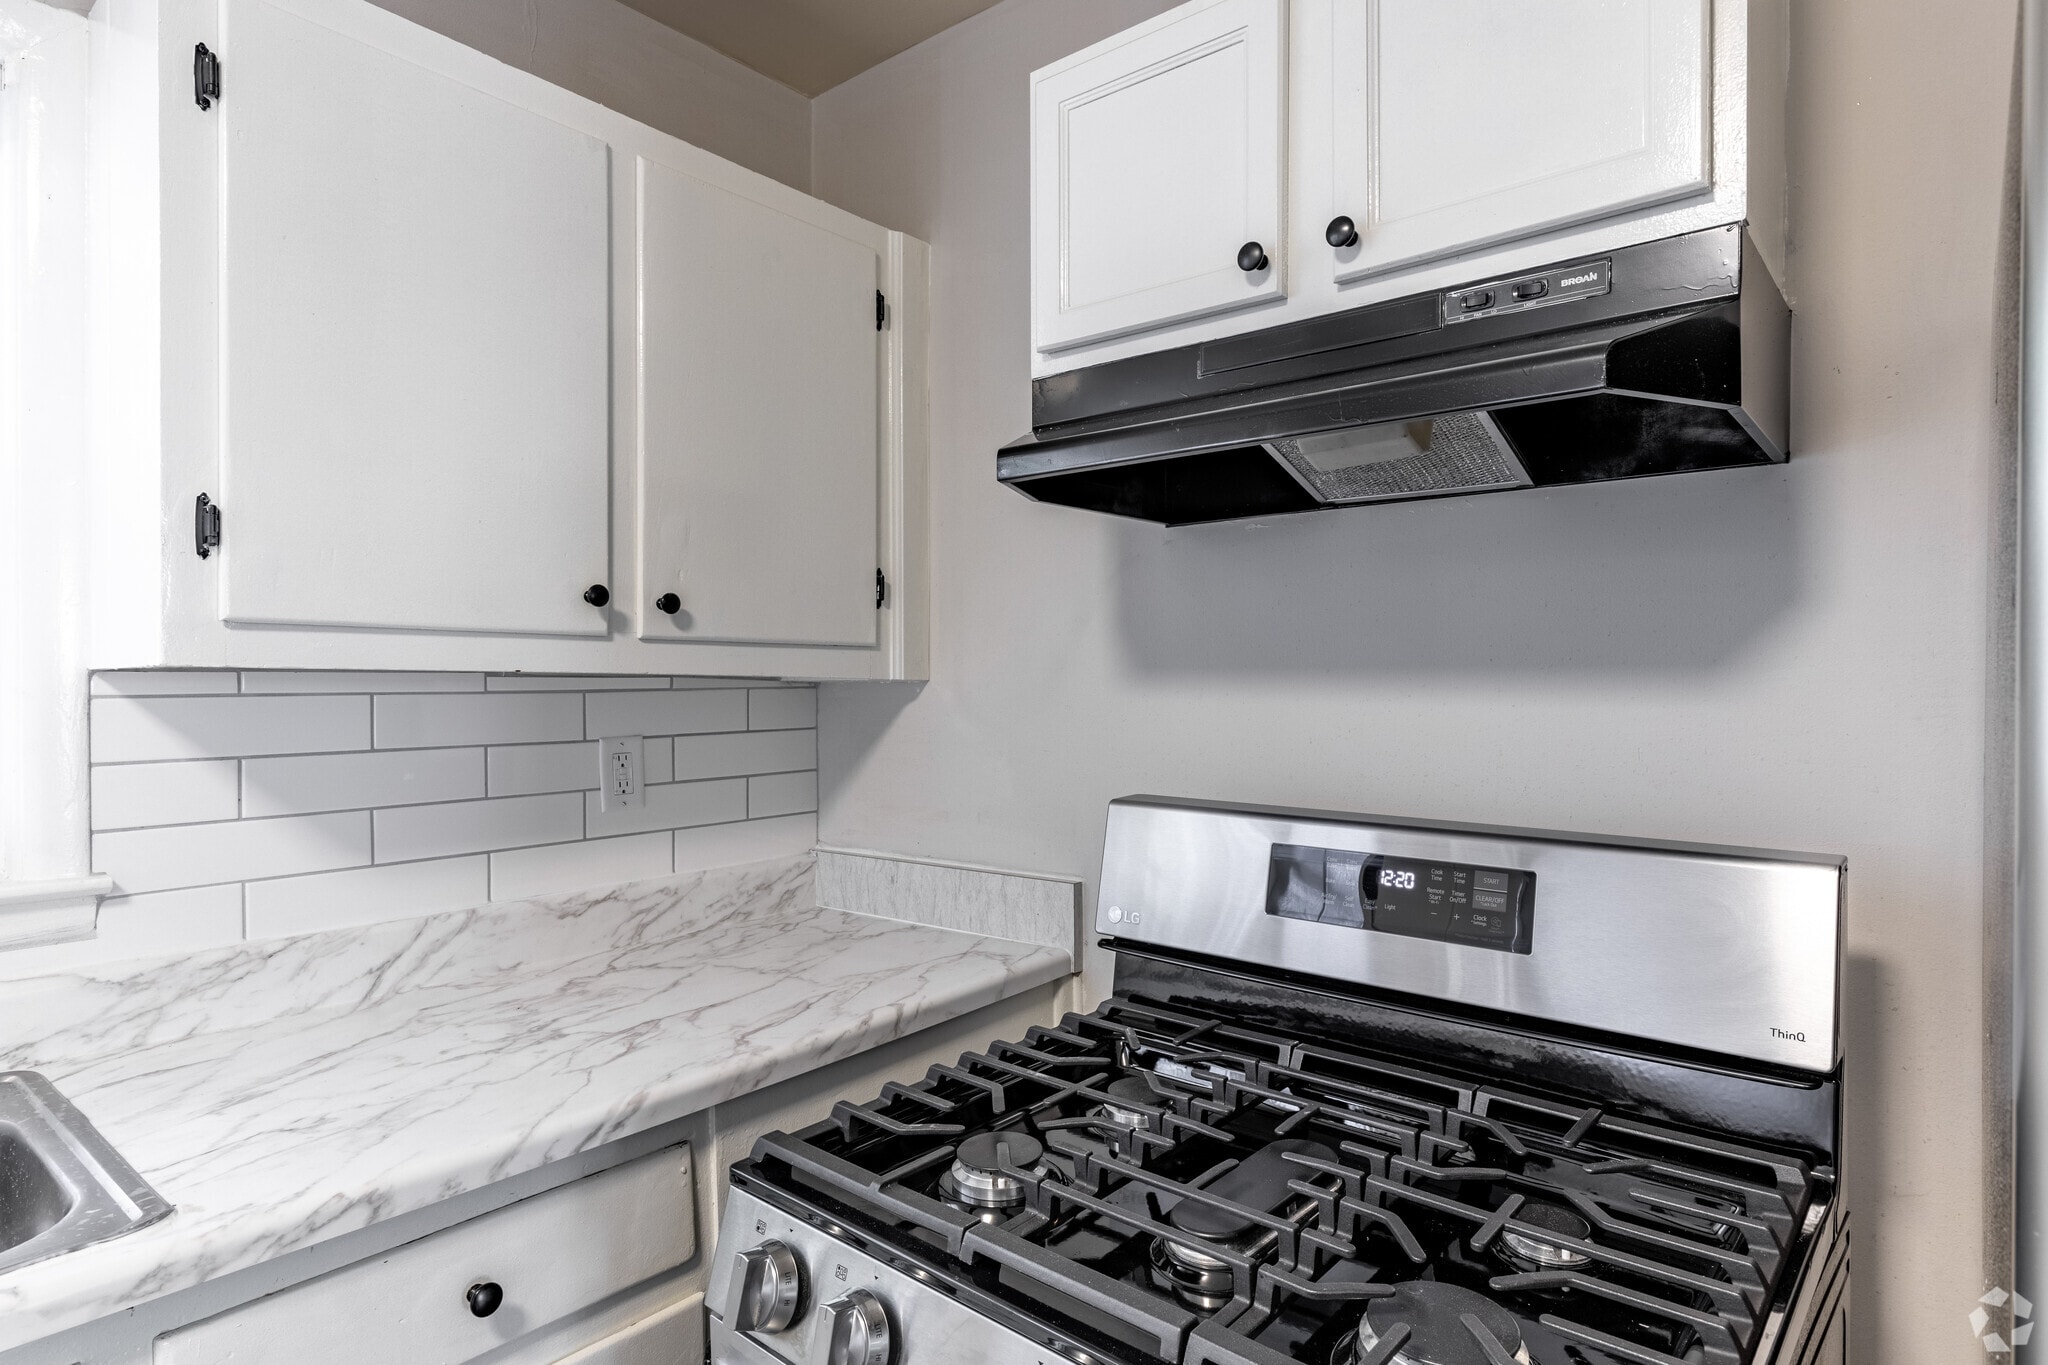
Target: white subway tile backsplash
x=427 y=721
x=745 y=841
x=746 y=753
x=165 y=682
x=289 y=680
x=527 y=769
x=229 y=805
x=365 y=895
x=519 y=873
x=689 y=712
x=396 y=777
x=675 y=806
x=782 y=708
x=659 y=755
x=409 y=832
x=235 y=851
x=153 y=729
x=781 y=794
x=519 y=769
x=131 y=795
x=549 y=682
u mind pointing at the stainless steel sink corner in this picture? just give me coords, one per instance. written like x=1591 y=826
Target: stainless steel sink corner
x=62 y=1186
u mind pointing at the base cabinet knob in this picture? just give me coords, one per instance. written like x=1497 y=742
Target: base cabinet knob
x=597 y=594
x=766 y=1292
x=484 y=1297
x=853 y=1330
x=669 y=603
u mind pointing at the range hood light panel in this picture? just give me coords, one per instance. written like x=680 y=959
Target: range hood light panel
x=1461 y=453
x=1329 y=451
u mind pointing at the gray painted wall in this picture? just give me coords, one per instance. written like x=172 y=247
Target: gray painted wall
x=1799 y=657
x=626 y=61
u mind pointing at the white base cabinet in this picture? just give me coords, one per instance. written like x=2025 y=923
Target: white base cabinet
x=478 y=374
x=541 y=1260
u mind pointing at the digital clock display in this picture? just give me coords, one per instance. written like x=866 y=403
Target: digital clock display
x=1480 y=907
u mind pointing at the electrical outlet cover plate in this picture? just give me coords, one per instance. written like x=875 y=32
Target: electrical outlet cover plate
x=618 y=772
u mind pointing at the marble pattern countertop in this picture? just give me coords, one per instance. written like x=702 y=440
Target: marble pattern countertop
x=282 y=1093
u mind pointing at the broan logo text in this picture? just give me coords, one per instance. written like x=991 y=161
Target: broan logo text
x=1589 y=278
x=1794 y=1037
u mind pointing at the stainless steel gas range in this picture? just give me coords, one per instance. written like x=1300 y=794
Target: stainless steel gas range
x=1368 y=1092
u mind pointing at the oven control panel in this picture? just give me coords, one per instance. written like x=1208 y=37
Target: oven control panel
x=1479 y=907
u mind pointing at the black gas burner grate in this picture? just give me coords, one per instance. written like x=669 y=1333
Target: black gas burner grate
x=1203 y=1190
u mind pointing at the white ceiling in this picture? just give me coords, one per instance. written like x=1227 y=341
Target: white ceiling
x=810 y=45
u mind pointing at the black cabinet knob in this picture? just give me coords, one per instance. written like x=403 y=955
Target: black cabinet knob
x=669 y=603
x=484 y=1297
x=597 y=594
x=1251 y=257
x=1341 y=232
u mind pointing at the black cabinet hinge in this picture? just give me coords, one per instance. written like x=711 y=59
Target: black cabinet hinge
x=881 y=310
x=205 y=526
x=205 y=77
x=881 y=589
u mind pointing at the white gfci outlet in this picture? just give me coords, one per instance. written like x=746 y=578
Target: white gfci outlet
x=618 y=772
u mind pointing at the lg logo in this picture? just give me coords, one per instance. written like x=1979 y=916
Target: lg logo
x=1981 y=1321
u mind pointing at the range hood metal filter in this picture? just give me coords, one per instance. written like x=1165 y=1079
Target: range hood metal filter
x=1461 y=453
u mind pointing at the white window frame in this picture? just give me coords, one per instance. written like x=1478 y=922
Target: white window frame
x=47 y=891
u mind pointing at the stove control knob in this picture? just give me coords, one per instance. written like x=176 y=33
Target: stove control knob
x=853 y=1330
x=766 y=1293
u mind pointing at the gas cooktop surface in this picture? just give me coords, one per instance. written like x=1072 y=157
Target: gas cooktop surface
x=1160 y=1182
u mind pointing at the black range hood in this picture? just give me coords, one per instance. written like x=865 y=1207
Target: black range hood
x=1655 y=359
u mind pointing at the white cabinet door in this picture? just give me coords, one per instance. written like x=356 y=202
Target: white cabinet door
x=1156 y=157
x=415 y=344
x=760 y=364
x=1460 y=123
x=551 y=1256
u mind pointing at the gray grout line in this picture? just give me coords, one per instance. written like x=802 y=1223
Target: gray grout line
x=424 y=748
x=446 y=801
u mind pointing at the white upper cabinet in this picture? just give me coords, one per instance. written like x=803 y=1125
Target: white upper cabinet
x=1415 y=146
x=1158 y=174
x=759 y=356
x=415 y=389
x=1462 y=123
x=473 y=370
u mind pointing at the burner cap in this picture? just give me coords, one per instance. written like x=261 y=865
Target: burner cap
x=1259 y=1183
x=1128 y=1095
x=1542 y=1253
x=977 y=1176
x=981 y=1153
x=1435 y=1315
